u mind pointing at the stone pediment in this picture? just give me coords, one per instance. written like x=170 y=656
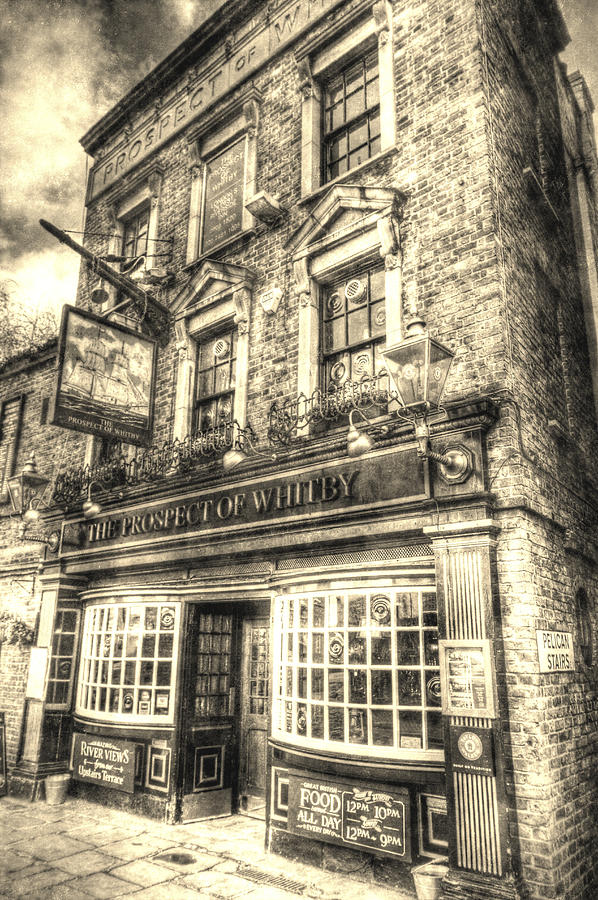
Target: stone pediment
x=341 y=211
x=213 y=282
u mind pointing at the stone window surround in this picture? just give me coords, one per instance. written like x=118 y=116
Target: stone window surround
x=315 y=63
x=320 y=254
x=218 y=295
x=227 y=124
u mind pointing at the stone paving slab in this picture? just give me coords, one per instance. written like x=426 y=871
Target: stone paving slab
x=85 y=863
x=220 y=884
x=101 y=885
x=143 y=872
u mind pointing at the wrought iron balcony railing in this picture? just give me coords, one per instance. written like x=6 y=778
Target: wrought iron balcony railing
x=171 y=457
x=289 y=417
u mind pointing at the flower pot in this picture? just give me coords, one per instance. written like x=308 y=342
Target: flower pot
x=57 y=788
x=428 y=880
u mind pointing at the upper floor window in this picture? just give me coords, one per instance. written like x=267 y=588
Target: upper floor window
x=216 y=370
x=135 y=235
x=351 y=116
x=11 y=412
x=353 y=328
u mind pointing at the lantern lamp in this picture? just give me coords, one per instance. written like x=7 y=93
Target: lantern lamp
x=418 y=367
x=27 y=490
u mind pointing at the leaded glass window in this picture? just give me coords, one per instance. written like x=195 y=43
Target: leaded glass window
x=216 y=371
x=359 y=671
x=128 y=661
x=353 y=328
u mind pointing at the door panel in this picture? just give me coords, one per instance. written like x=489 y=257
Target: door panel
x=209 y=730
x=255 y=695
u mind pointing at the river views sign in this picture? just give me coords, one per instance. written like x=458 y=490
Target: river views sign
x=106 y=762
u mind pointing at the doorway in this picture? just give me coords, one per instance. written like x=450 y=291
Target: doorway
x=225 y=710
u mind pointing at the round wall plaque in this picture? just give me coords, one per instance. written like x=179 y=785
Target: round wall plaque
x=470 y=746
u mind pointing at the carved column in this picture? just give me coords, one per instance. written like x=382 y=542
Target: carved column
x=311 y=125
x=479 y=853
x=45 y=739
x=242 y=303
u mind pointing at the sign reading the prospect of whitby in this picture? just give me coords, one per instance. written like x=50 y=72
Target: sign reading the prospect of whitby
x=109 y=763
x=555 y=651
x=223 y=198
x=353 y=816
x=105 y=382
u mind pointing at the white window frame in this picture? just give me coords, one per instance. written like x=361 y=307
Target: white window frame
x=231 y=123
x=219 y=295
x=87 y=655
x=316 y=66
x=285 y=660
x=349 y=228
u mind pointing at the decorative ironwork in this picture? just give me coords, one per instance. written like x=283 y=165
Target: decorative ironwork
x=170 y=458
x=287 y=417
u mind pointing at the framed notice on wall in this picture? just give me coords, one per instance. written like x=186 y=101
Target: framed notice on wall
x=106 y=376
x=224 y=188
x=467 y=678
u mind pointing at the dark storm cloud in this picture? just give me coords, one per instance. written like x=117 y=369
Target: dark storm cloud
x=63 y=64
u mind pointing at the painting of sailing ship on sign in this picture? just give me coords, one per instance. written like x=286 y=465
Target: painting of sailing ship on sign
x=105 y=378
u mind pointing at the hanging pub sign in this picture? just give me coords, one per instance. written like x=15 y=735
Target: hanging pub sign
x=369 y=817
x=223 y=196
x=106 y=378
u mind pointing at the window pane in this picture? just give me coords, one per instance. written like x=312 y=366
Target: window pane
x=382 y=688
x=381 y=650
x=358 y=686
x=358 y=135
x=382 y=727
x=336 y=685
x=409 y=688
x=355 y=103
x=336 y=724
x=408 y=648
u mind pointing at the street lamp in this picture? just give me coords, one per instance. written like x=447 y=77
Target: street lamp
x=418 y=367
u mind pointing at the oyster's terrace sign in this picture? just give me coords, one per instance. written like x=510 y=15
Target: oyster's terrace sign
x=397 y=476
x=217 y=77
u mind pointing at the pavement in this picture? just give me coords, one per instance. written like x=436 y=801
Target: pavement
x=80 y=850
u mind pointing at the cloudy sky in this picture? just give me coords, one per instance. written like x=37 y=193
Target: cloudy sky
x=63 y=63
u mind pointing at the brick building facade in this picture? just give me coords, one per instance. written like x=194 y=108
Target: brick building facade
x=392 y=655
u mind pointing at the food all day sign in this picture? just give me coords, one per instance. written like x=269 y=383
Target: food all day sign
x=340 y=813
x=109 y=763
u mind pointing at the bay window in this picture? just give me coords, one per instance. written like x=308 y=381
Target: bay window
x=128 y=662
x=357 y=672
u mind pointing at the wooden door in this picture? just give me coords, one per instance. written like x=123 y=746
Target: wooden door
x=255 y=697
x=209 y=716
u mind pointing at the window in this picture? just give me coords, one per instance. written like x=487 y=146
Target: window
x=135 y=236
x=63 y=650
x=348 y=108
x=358 y=671
x=128 y=661
x=216 y=365
x=351 y=116
x=353 y=328
x=584 y=624
x=11 y=413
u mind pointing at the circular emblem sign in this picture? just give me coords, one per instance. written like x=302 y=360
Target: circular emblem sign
x=470 y=746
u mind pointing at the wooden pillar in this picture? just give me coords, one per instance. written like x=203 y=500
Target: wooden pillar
x=479 y=852
x=45 y=745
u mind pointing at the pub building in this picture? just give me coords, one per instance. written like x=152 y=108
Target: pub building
x=325 y=562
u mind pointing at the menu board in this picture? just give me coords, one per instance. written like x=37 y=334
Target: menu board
x=107 y=762
x=223 y=197
x=359 y=816
x=2 y=756
x=466 y=678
